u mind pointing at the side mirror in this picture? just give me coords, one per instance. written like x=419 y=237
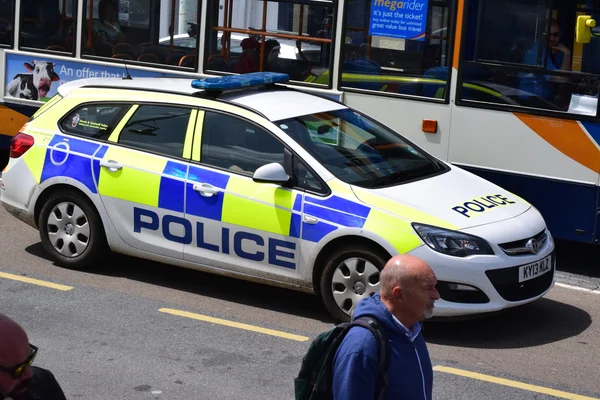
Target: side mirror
x=583 y=28
x=271 y=173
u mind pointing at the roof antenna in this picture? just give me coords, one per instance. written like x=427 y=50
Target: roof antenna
x=126 y=71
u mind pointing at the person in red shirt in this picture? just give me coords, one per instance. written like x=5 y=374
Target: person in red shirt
x=250 y=60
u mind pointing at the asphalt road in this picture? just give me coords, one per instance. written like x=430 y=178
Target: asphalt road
x=121 y=331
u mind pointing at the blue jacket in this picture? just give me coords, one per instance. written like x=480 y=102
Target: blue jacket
x=355 y=363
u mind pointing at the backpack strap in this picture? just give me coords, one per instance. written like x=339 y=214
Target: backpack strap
x=372 y=324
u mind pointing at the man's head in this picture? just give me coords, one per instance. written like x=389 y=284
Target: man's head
x=554 y=38
x=14 y=352
x=407 y=288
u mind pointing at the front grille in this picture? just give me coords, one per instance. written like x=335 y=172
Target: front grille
x=506 y=282
x=521 y=246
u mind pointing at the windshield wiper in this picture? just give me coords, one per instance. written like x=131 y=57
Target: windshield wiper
x=401 y=176
x=384 y=180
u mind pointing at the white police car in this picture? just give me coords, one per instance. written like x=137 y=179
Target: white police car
x=246 y=178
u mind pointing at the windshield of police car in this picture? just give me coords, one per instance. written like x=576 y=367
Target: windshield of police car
x=358 y=150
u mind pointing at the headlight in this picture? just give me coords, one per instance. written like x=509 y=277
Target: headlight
x=453 y=243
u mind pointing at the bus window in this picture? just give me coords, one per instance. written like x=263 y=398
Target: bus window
x=520 y=53
x=397 y=50
x=48 y=25
x=286 y=37
x=7 y=20
x=139 y=31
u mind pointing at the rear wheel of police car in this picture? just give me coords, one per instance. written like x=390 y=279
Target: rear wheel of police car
x=71 y=230
x=350 y=274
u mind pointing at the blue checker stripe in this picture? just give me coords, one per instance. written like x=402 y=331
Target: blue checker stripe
x=101 y=152
x=175 y=169
x=200 y=206
x=315 y=233
x=170 y=195
x=298 y=203
x=202 y=175
x=295 y=224
x=75 y=145
x=171 y=191
x=341 y=204
x=336 y=217
x=72 y=166
x=96 y=163
x=205 y=207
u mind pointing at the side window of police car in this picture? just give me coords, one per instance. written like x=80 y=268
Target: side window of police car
x=156 y=128
x=95 y=121
x=306 y=180
x=237 y=145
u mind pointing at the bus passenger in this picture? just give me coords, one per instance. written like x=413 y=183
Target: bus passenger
x=272 y=49
x=107 y=25
x=558 y=57
x=249 y=60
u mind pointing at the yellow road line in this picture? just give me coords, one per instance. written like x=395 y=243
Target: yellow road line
x=232 y=324
x=35 y=282
x=515 y=384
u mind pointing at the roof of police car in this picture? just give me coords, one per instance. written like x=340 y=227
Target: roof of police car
x=274 y=104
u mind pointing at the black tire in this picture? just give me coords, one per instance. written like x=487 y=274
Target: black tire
x=81 y=248
x=375 y=257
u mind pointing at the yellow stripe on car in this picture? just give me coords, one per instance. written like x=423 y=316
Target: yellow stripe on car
x=399 y=233
x=118 y=184
x=197 y=143
x=248 y=205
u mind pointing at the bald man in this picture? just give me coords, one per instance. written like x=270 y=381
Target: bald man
x=406 y=296
x=18 y=379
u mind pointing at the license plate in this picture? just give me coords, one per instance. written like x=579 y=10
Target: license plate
x=533 y=270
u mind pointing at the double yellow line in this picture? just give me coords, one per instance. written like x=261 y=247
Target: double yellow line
x=515 y=384
x=35 y=282
x=232 y=324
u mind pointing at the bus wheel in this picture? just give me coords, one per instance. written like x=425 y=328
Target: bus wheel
x=350 y=275
x=71 y=230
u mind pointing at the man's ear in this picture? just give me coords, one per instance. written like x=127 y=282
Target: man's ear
x=398 y=293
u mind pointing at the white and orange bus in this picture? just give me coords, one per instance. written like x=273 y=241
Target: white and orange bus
x=503 y=88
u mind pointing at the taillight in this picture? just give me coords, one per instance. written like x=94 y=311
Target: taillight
x=20 y=143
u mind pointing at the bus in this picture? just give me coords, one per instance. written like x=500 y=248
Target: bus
x=506 y=89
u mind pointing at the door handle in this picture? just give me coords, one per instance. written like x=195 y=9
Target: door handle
x=309 y=219
x=206 y=189
x=111 y=165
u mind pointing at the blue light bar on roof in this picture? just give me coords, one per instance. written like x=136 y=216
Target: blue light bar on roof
x=240 y=81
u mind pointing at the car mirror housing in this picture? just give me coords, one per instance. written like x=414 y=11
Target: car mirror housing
x=271 y=173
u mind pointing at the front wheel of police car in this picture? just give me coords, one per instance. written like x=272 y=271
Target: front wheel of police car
x=71 y=231
x=350 y=275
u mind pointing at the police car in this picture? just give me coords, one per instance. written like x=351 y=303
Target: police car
x=245 y=177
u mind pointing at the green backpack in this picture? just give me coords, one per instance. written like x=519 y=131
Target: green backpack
x=315 y=379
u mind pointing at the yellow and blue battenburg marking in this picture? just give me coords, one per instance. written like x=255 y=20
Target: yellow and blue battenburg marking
x=172 y=187
x=332 y=212
x=205 y=207
x=73 y=158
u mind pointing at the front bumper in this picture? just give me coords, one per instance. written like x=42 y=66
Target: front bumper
x=488 y=283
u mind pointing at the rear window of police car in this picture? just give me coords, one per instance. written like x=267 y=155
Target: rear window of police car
x=94 y=120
